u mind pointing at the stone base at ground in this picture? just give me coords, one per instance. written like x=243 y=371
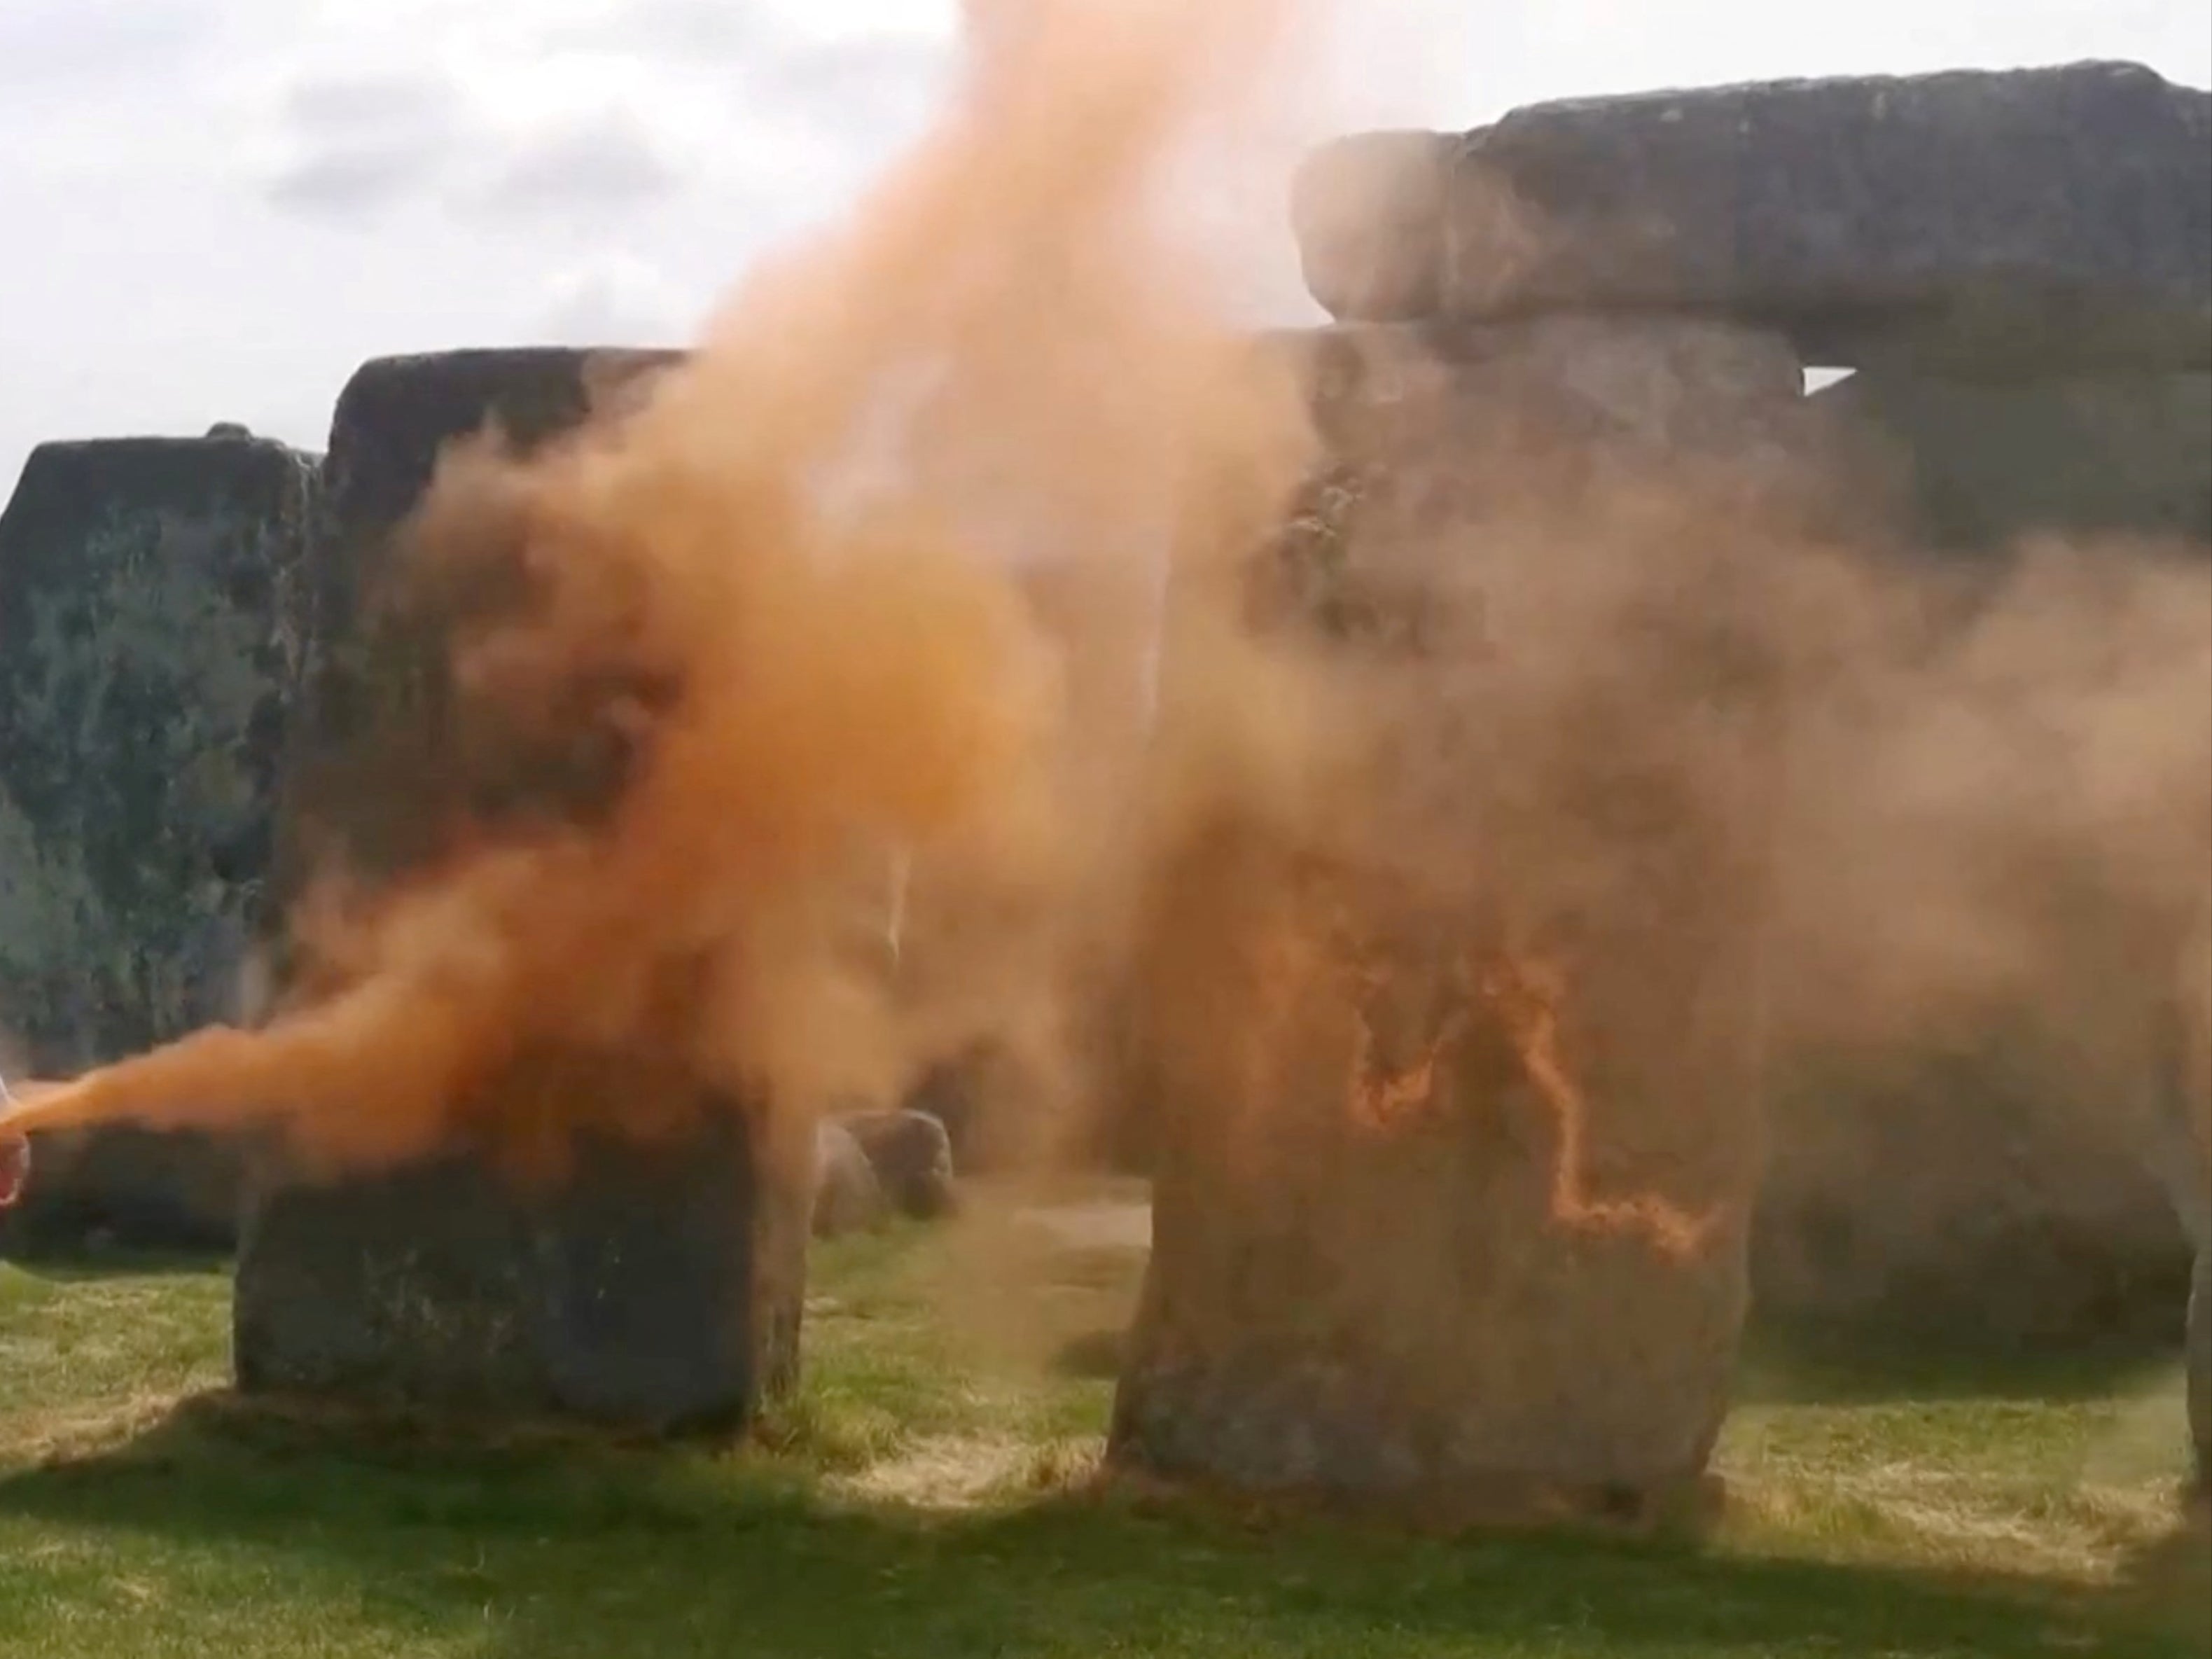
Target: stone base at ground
x=1374 y=1276
x=128 y=1189
x=656 y=1290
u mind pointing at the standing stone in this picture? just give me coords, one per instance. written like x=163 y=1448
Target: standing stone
x=2021 y=219
x=152 y=626
x=1981 y=1187
x=656 y=1286
x=1456 y=1155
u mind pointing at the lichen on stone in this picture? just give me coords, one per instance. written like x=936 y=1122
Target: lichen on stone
x=140 y=703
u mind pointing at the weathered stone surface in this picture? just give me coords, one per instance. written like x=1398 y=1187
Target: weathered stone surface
x=1967 y=1195
x=1984 y=463
x=2021 y=219
x=151 y=636
x=385 y=756
x=152 y=633
x=662 y=1285
x=1428 y=1228
x=1982 y=1189
x=1368 y=212
x=136 y=1188
x=1399 y=1309
x=848 y=1197
x=658 y=1290
x=912 y=1156
x=1430 y=431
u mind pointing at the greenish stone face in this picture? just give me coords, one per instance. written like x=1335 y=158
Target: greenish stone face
x=147 y=661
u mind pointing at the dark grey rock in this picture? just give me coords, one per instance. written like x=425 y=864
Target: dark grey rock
x=1979 y=465
x=847 y=1196
x=152 y=638
x=385 y=756
x=141 y=1189
x=152 y=623
x=656 y=1290
x=2012 y=221
x=1966 y=1194
x=912 y=1156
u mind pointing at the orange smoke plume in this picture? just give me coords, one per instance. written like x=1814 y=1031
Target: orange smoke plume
x=818 y=529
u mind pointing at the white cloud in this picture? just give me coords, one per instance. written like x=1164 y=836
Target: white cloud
x=355 y=143
x=62 y=47
x=597 y=162
x=471 y=163
x=616 y=300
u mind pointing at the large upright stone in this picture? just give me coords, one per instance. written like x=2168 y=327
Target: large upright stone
x=1456 y=1127
x=151 y=631
x=1978 y=1186
x=654 y=1286
x=2021 y=220
x=383 y=758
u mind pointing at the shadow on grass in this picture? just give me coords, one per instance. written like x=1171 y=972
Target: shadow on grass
x=1092 y=1356
x=1837 y=1364
x=587 y=1551
x=80 y=1266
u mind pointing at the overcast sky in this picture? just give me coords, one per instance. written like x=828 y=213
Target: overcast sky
x=214 y=209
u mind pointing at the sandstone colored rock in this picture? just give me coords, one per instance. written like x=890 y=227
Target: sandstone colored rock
x=1363 y=1283
x=2017 y=219
x=655 y=1284
x=1432 y=431
x=152 y=634
x=1446 y=1216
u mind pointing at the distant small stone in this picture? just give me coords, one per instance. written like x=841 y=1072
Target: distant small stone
x=848 y=1197
x=229 y=429
x=912 y=1156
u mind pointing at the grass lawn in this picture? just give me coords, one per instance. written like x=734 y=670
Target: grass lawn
x=928 y=1495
